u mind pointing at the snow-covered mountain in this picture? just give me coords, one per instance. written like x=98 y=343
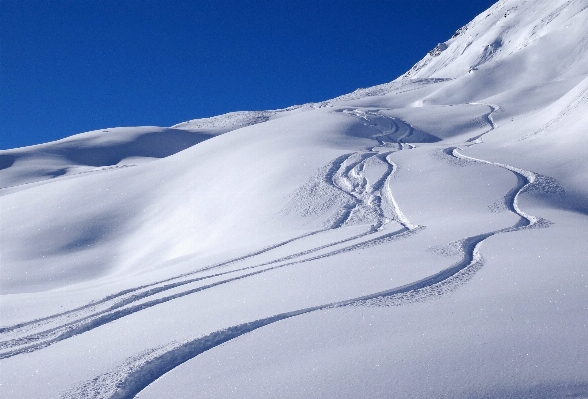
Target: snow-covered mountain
x=417 y=239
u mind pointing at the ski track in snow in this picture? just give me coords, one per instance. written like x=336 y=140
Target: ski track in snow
x=372 y=202
x=344 y=174
x=517 y=50
x=452 y=278
x=343 y=188
x=128 y=379
x=488 y=118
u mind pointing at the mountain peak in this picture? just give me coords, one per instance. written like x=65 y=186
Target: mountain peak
x=550 y=33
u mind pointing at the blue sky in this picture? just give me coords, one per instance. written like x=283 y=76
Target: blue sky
x=71 y=66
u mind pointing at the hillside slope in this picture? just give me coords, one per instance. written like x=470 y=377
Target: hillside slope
x=421 y=238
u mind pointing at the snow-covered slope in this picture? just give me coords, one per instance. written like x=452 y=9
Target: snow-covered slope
x=418 y=239
x=533 y=40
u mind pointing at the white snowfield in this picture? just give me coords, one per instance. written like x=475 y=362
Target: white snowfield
x=423 y=238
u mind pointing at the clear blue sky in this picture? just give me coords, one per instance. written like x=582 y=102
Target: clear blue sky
x=71 y=66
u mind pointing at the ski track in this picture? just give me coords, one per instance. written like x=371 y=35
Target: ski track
x=84 y=323
x=346 y=175
x=488 y=118
x=126 y=296
x=127 y=380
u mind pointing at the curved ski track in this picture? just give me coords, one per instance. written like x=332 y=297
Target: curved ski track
x=488 y=118
x=346 y=175
x=130 y=378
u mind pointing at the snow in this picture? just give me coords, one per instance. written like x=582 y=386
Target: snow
x=420 y=238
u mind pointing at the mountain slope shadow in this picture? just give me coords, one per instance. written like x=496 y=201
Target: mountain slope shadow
x=152 y=145
x=6 y=161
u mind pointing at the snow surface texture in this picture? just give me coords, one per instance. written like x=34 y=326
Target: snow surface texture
x=418 y=239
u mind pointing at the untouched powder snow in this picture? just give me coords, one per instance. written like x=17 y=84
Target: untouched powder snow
x=423 y=238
